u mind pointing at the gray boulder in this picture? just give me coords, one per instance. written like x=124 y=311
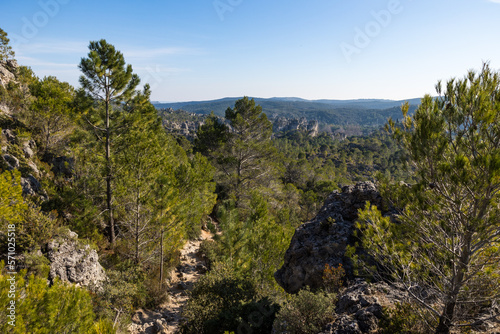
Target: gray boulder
x=9 y=136
x=11 y=160
x=6 y=74
x=75 y=263
x=31 y=186
x=360 y=307
x=324 y=239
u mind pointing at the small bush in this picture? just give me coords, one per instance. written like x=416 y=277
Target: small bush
x=404 y=319
x=306 y=313
x=333 y=278
x=36 y=264
x=221 y=301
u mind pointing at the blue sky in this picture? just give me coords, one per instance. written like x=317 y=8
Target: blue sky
x=206 y=49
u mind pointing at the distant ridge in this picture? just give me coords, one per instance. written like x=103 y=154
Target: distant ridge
x=366 y=112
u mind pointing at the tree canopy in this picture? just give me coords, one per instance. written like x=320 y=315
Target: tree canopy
x=448 y=239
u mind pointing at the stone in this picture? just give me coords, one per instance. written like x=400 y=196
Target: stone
x=11 y=160
x=31 y=186
x=359 y=307
x=28 y=149
x=6 y=75
x=75 y=263
x=324 y=239
x=9 y=136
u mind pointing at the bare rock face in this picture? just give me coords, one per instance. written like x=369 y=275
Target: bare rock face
x=296 y=124
x=323 y=240
x=75 y=263
x=30 y=185
x=360 y=306
x=6 y=72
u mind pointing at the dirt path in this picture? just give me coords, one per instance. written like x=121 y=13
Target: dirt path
x=166 y=319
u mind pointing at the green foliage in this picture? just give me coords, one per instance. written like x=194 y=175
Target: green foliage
x=24 y=168
x=222 y=301
x=37 y=264
x=30 y=226
x=105 y=75
x=447 y=237
x=255 y=247
x=40 y=308
x=305 y=313
x=5 y=49
x=108 y=82
x=403 y=319
x=11 y=200
x=212 y=135
x=122 y=293
x=49 y=116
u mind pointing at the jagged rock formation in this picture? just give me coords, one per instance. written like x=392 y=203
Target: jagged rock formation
x=74 y=262
x=186 y=128
x=7 y=70
x=283 y=124
x=360 y=307
x=323 y=240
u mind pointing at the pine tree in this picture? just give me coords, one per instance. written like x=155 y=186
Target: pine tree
x=248 y=158
x=50 y=114
x=6 y=52
x=447 y=241
x=107 y=79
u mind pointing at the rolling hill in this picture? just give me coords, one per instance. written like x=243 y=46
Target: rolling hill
x=364 y=112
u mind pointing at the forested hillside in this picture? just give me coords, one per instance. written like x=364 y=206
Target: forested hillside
x=372 y=113
x=99 y=194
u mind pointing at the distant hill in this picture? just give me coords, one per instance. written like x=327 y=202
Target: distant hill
x=365 y=112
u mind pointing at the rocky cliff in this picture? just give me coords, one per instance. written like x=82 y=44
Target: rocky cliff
x=324 y=239
x=283 y=124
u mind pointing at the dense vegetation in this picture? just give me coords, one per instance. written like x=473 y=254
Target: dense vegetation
x=107 y=170
x=372 y=113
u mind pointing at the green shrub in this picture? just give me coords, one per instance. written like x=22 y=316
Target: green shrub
x=36 y=264
x=44 y=309
x=403 y=319
x=305 y=313
x=221 y=301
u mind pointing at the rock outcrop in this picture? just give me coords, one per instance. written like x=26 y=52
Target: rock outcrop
x=7 y=70
x=359 y=308
x=324 y=239
x=74 y=262
x=296 y=124
x=187 y=129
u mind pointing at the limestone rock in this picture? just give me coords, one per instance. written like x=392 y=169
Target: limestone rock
x=296 y=124
x=9 y=136
x=360 y=306
x=30 y=185
x=323 y=240
x=11 y=160
x=28 y=149
x=6 y=74
x=75 y=263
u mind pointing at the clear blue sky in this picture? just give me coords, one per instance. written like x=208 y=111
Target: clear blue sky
x=206 y=49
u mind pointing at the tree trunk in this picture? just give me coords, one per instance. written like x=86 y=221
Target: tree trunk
x=445 y=320
x=109 y=194
x=161 y=259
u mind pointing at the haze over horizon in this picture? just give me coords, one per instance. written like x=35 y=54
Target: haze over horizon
x=207 y=50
